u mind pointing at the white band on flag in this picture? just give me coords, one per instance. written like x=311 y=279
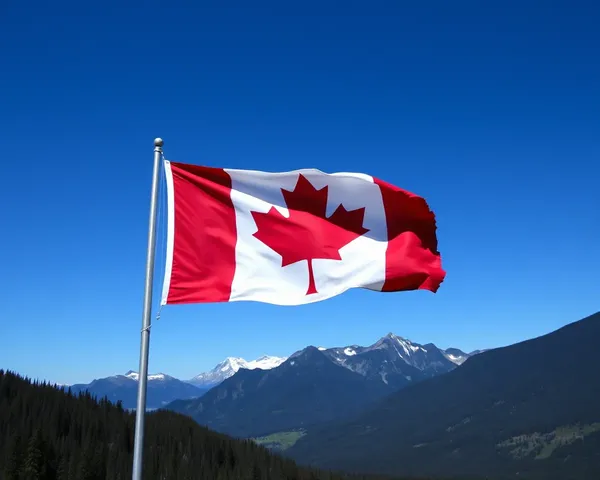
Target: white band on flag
x=170 y=232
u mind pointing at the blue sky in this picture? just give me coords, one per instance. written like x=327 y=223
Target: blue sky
x=491 y=112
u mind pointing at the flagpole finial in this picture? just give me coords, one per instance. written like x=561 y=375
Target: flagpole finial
x=158 y=142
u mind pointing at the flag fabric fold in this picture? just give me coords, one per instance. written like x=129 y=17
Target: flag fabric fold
x=294 y=237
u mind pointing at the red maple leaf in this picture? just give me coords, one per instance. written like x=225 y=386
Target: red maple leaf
x=307 y=234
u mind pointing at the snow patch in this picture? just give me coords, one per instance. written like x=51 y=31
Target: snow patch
x=349 y=351
x=457 y=359
x=403 y=345
x=156 y=376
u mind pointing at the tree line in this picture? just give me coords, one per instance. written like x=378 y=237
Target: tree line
x=47 y=433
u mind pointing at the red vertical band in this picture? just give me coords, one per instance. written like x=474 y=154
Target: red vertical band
x=204 y=235
x=412 y=259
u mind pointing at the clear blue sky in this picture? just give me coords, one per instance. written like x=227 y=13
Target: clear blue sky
x=490 y=112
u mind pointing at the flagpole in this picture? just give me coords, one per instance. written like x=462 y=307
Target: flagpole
x=147 y=311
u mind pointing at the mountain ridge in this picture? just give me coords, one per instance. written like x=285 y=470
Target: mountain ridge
x=161 y=389
x=307 y=379
x=314 y=385
x=373 y=362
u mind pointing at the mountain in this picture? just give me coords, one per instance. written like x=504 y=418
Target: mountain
x=305 y=389
x=530 y=410
x=230 y=366
x=394 y=360
x=162 y=389
x=313 y=385
x=458 y=356
x=47 y=433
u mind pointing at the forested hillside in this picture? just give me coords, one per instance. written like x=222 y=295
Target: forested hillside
x=530 y=411
x=46 y=433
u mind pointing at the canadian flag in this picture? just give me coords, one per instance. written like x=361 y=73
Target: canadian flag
x=294 y=237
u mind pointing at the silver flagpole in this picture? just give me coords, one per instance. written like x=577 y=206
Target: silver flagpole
x=145 y=341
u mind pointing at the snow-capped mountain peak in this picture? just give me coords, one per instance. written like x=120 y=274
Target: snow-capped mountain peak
x=402 y=346
x=394 y=356
x=231 y=365
x=407 y=349
x=266 y=362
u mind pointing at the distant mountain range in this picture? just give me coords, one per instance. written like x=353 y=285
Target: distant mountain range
x=529 y=410
x=366 y=373
x=315 y=385
x=162 y=389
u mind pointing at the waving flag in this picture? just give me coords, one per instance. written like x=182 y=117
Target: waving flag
x=294 y=237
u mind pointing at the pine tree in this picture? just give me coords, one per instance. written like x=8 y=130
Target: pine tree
x=231 y=460
x=256 y=473
x=85 y=470
x=111 y=462
x=33 y=468
x=14 y=458
x=98 y=464
x=62 y=471
x=73 y=463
